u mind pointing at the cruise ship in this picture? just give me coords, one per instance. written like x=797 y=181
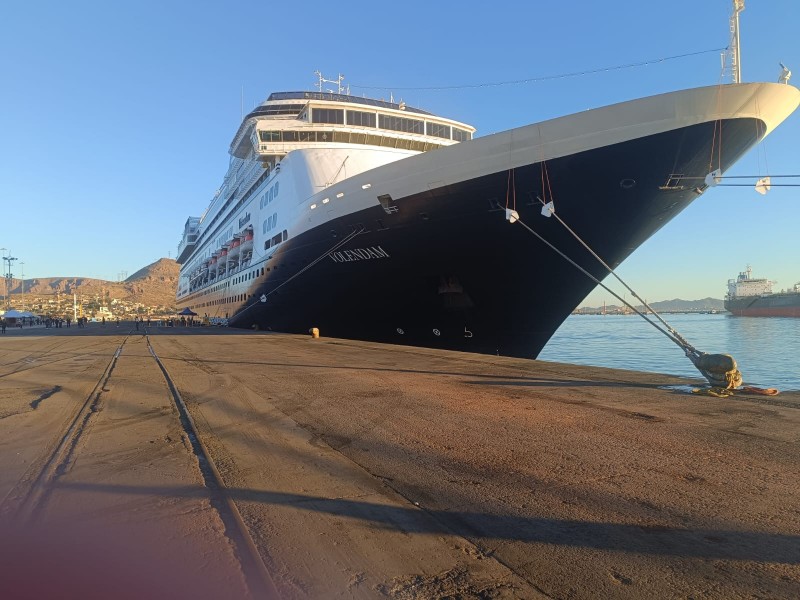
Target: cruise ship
x=375 y=220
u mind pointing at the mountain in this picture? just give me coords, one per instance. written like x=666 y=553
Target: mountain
x=157 y=282
x=674 y=305
x=688 y=305
x=154 y=285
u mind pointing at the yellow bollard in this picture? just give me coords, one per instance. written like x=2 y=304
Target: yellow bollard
x=314 y=332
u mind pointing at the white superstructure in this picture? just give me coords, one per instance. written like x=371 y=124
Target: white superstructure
x=745 y=285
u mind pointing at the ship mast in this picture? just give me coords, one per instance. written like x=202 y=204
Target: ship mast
x=735 y=52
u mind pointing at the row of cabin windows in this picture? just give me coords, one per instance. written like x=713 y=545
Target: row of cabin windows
x=346 y=137
x=245 y=277
x=336 y=116
x=237 y=280
x=239 y=297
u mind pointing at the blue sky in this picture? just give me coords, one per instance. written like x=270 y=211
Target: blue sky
x=115 y=118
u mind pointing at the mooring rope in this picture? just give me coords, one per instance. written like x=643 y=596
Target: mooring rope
x=719 y=369
x=601 y=284
x=683 y=343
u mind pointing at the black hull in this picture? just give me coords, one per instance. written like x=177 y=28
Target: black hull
x=774 y=305
x=448 y=261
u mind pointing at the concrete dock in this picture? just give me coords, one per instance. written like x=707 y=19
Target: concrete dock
x=325 y=468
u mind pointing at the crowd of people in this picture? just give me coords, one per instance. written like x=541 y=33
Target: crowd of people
x=139 y=321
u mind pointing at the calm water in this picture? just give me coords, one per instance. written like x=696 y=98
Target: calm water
x=766 y=349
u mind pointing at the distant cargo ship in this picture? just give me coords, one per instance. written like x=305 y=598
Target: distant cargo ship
x=749 y=297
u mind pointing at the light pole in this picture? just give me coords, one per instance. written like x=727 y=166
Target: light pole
x=3 y=250
x=9 y=259
x=22 y=282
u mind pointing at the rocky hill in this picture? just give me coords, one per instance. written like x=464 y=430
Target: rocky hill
x=154 y=285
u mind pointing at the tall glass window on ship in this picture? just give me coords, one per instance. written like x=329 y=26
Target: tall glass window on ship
x=461 y=135
x=401 y=124
x=270 y=136
x=360 y=118
x=327 y=115
x=438 y=130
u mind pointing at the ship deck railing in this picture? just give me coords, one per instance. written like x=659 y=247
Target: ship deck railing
x=244 y=265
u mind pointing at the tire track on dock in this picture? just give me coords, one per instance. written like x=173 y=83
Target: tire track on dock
x=258 y=579
x=26 y=502
x=38 y=355
x=29 y=496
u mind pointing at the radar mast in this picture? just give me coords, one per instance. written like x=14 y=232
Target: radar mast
x=338 y=81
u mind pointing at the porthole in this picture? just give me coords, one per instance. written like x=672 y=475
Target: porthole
x=437 y=333
x=400 y=331
x=627 y=184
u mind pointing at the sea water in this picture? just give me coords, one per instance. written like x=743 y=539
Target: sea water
x=767 y=349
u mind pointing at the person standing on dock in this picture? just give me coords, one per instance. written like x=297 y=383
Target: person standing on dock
x=3 y=325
